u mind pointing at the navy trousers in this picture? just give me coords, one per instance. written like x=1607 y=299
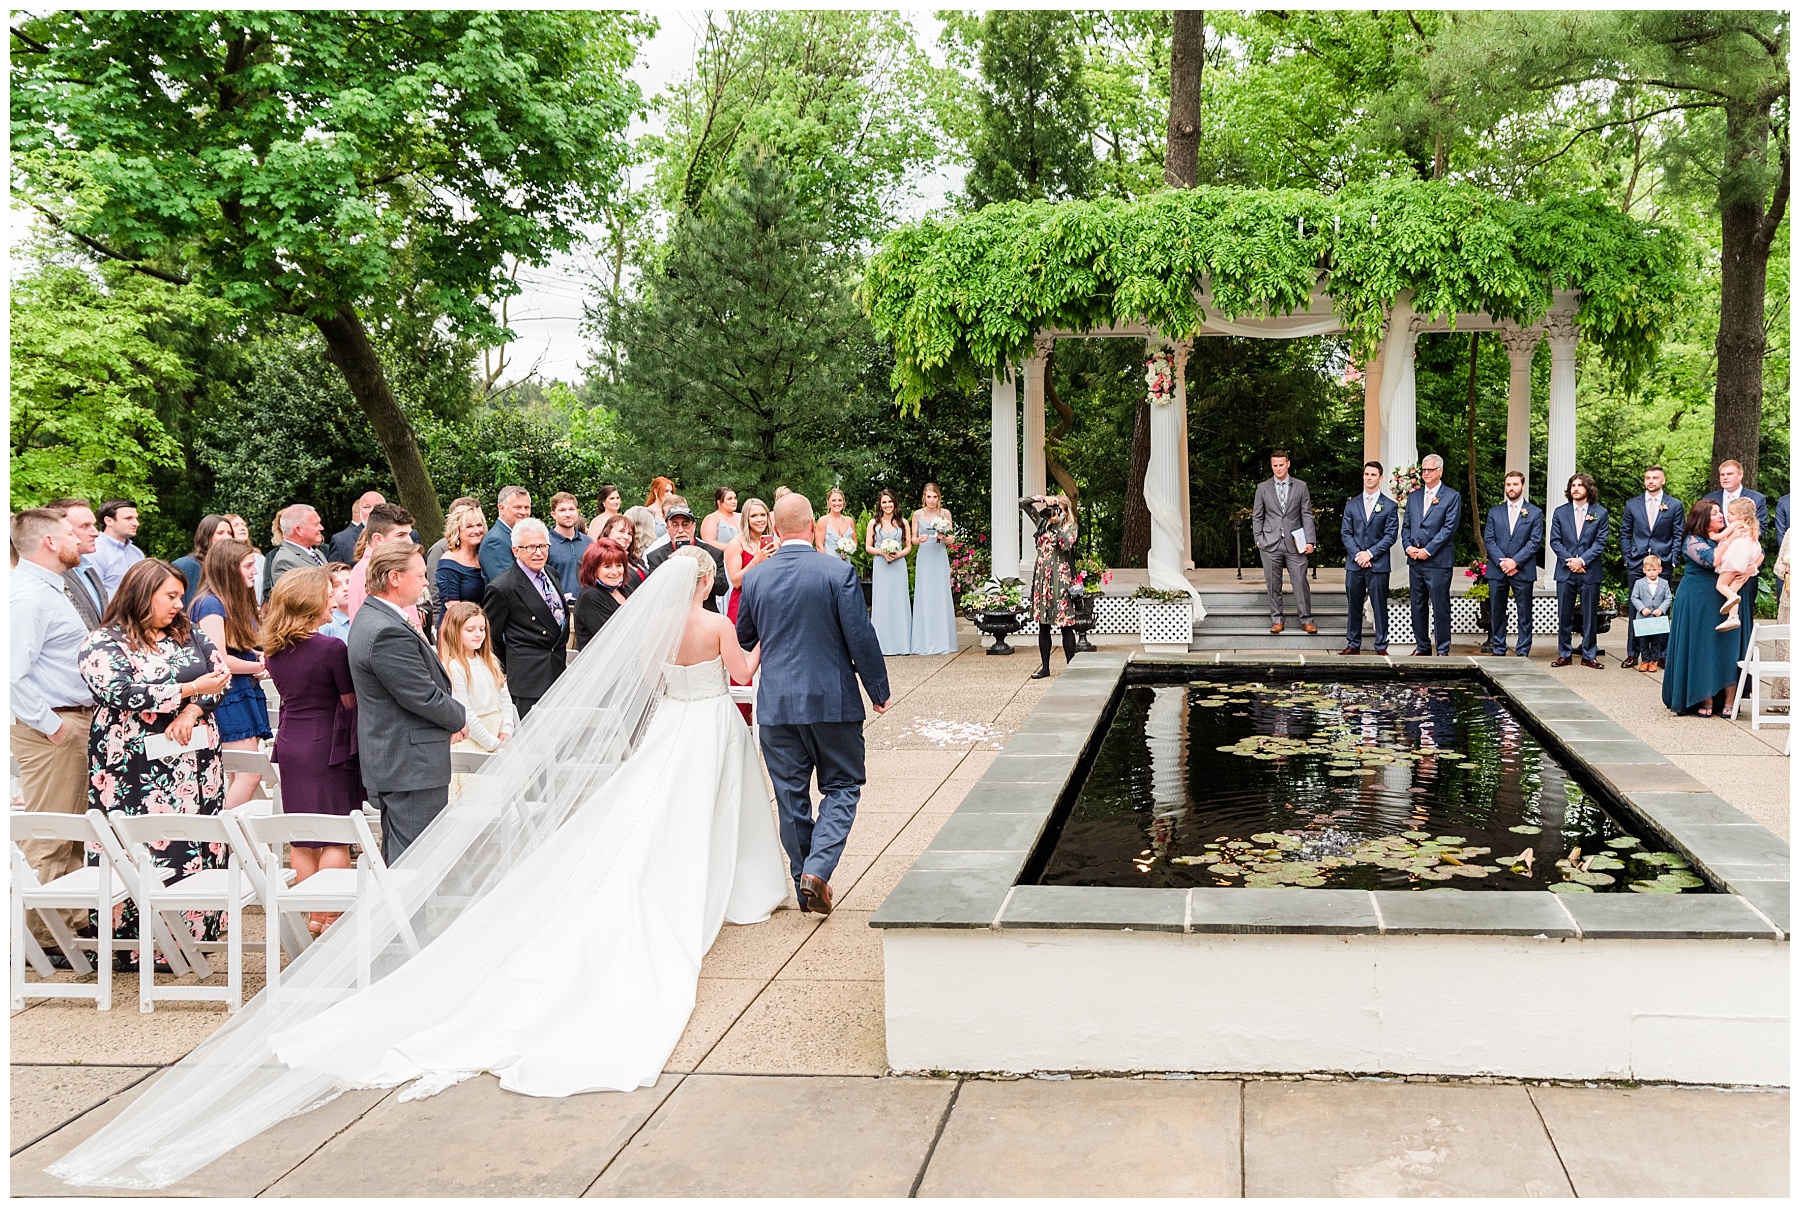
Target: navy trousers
x=1370 y=585
x=1499 y=591
x=833 y=750
x=1430 y=601
x=1571 y=595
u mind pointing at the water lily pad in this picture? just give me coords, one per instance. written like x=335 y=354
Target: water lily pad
x=1416 y=834
x=1469 y=870
x=1340 y=772
x=1622 y=842
x=1187 y=860
x=1452 y=840
x=1526 y=830
x=1227 y=869
x=1227 y=749
x=1591 y=878
x=1681 y=880
x=1604 y=862
x=1264 y=837
x=1311 y=882
x=1468 y=765
x=1653 y=887
x=1570 y=887
x=1435 y=874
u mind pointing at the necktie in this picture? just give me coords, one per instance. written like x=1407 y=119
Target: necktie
x=1369 y=507
x=1281 y=493
x=1513 y=510
x=550 y=597
x=1580 y=516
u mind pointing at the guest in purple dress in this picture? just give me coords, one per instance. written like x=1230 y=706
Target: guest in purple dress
x=315 y=740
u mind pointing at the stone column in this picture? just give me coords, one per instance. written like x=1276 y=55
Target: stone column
x=1032 y=441
x=1399 y=403
x=1003 y=528
x=1163 y=486
x=1560 y=440
x=1187 y=482
x=1372 y=410
x=1521 y=347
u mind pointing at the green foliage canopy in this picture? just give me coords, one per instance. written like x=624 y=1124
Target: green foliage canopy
x=961 y=296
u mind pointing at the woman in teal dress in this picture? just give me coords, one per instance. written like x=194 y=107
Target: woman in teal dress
x=934 y=609
x=1701 y=668
x=890 y=596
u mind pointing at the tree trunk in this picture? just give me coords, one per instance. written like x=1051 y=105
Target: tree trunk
x=1187 y=52
x=1746 y=234
x=347 y=346
x=1474 y=509
x=1134 y=543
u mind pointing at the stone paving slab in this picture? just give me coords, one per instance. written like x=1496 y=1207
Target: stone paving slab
x=246 y=1171
x=46 y=1097
x=734 y=1136
x=718 y=1003
x=476 y=1139
x=1090 y=1137
x=758 y=950
x=1396 y=1139
x=815 y=1026
x=72 y=1032
x=843 y=947
x=1664 y=1141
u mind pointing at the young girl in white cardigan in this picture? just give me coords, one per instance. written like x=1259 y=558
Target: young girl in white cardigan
x=476 y=680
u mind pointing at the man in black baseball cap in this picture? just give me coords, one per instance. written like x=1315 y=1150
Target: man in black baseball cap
x=682 y=525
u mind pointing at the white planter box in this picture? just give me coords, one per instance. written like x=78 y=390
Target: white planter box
x=1166 y=628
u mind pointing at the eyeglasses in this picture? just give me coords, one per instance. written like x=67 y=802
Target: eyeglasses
x=532 y=549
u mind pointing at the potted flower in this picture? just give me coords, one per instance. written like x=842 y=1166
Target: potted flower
x=994 y=608
x=1478 y=593
x=1165 y=620
x=1608 y=609
x=1090 y=574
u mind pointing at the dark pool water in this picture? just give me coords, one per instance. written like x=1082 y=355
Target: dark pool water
x=1387 y=784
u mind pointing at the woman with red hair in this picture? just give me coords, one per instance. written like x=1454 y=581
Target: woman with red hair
x=660 y=490
x=604 y=588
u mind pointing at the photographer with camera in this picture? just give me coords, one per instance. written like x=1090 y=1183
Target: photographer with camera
x=1053 y=575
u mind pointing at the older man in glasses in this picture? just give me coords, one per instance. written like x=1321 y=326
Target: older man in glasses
x=528 y=617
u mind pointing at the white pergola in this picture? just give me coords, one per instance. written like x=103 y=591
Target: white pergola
x=1390 y=417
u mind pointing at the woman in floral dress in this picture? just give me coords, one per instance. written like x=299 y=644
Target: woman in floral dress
x=1052 y=573
x=152 y=673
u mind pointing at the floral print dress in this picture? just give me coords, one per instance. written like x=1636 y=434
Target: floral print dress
x=138 y=693
x=1051 y=574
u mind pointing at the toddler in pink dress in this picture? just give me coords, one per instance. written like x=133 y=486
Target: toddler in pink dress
x=1737 y=557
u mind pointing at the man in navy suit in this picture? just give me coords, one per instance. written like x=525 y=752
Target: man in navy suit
x=807 y=610
x=1370 y=527
x=1651 y=525
x=1578 y=539
x=1429 y=534
x=1731 y=486
x=1514 y=536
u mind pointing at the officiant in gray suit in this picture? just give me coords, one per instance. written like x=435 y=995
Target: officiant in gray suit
x=1283 y=508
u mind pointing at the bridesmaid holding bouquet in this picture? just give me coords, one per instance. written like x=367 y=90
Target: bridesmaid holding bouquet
x=888 y=543
x=934 y=609
x=836 y=532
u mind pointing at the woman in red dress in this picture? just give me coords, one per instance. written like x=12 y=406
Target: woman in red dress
x=755 y=544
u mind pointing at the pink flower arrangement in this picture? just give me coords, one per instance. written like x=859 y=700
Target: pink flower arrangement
x=1159 y=377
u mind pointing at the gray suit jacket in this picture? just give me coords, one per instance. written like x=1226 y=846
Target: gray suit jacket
x=287 y=556
x=79 y=597
x=1273 y=525
x=405 y=714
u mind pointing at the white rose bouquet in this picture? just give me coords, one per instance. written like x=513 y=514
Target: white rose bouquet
x=845 y=546
x=939 y=527
x=888 y=548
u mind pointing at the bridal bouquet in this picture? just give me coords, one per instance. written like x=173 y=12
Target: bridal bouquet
x=845 y=546
x=888 y=547
x=939 y=527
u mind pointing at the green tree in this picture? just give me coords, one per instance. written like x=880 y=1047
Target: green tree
x=1031 y=134
x=287 y=161
x=87 y=371
x=737 y=362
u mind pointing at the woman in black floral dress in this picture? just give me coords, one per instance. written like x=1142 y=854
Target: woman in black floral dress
x=1052 y=573
x=152 y=673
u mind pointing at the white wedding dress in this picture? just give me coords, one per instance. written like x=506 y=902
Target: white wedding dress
x=578 y=971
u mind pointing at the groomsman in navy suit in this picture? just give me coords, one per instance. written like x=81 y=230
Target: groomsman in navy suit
x=1429 y=533
x=1651 y=525
x=1514 y=537
x=1578 y=539
x=1370 y=528
x=1731 y=486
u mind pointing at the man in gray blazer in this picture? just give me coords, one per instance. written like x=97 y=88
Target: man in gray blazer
x=82 y=583
x=1284 y=506
x=406 y=719
x=301 y=533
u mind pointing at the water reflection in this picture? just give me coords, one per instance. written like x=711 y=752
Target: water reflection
x=1373 y=784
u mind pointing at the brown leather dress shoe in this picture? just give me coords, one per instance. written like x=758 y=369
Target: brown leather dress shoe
x=816 y=894
x=1276 y=627
x=1562 y=662
x=1596 y=664
x=1310 y=627
x=1350 y=650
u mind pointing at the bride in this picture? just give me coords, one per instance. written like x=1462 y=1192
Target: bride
x=550 y=923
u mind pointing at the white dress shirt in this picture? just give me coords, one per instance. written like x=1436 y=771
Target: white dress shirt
x=1369 y=498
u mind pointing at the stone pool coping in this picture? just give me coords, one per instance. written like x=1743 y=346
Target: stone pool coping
x=968 y=877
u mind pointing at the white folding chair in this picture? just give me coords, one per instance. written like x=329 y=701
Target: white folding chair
x=1754 y=668
x=255 y=763
x=98 y=887
x=369 y=887
x=226 y=890
x=463 y=762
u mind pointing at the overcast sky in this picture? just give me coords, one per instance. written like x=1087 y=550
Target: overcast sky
x=546 y=316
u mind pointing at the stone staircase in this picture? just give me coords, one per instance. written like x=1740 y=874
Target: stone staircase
x=1237 y=618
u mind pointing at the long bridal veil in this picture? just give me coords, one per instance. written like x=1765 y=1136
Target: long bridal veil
x=232 y=1087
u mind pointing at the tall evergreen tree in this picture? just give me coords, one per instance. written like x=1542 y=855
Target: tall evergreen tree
x=1032 y=137
x=736 y=353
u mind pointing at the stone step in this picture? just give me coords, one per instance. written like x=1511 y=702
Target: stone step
x=1293 y=639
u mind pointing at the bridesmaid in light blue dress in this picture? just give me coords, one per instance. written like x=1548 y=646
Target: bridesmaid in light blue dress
x=834 y=527
x=934 y=609
x=889 y=605
x=718 y=529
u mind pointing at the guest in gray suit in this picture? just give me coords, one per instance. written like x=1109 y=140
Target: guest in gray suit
x=82 y=583
x=406 y=718
x=1283 y=505
x=301 y=533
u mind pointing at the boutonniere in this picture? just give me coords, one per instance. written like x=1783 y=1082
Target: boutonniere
x=1662 y=507
x=1378 y=507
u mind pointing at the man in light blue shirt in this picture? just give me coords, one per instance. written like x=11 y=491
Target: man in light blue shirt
x=51 y=705
x=114 y=552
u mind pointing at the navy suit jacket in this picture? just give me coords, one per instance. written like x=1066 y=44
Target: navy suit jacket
x=1781 y=518
x=495 y=552
x=1434 y=531
x=1376 y=533
x=1641 y=536
x=1522 y=545
x=1757 y=497
x=1587 y=545
x=807 y=610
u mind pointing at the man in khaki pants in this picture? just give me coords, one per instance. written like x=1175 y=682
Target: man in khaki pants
x=52 y=707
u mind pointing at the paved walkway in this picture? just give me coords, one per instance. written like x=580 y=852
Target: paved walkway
x=778 y=1086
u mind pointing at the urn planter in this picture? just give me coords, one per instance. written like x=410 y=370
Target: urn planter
x=997 y=625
